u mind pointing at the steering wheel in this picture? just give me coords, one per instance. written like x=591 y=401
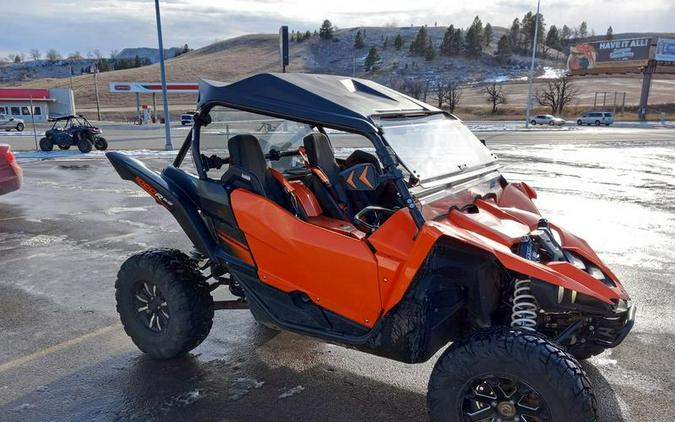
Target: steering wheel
x=377 y=214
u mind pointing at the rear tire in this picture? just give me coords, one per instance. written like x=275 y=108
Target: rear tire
x=84 y=145
x=579 y=122
x=19 y=127
x=163 y=276
x=46 y=144
x=597 y=122
x=507 y=374
x=533 y=122
x=100 y=143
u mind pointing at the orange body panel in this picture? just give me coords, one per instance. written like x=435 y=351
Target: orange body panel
x=336 y=271
x=240 y=250
x=336 y=225
x=306 y=197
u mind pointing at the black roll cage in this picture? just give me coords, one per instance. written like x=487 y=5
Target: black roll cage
x=384 y=152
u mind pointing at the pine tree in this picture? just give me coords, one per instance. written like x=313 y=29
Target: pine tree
x=610 y=33
x=385 y=44
x=419 y=45
x=514 y=34
x=372 y=59
x=457 y=42
x=429 y=51
x=473 y=40
x=566 y=33
x=583 y=29
x=487 y=34
x=326 y=31
x=553 y=39
x=398 y=42
x=504 y=49
x=446 y=44
x=358 y=40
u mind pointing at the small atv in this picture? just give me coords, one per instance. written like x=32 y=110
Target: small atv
x=73 y=130
x=399 y=247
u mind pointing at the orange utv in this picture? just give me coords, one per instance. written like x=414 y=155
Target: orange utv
x=338 y=208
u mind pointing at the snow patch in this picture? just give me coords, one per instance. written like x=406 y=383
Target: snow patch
x=242 y=386
x=293 y=391
x=41 y=240
x=118 y=210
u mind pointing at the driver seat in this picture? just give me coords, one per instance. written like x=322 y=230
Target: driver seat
x=248 y=170
x=325 y=180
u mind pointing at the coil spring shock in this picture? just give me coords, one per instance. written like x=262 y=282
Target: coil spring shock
x=524 y=309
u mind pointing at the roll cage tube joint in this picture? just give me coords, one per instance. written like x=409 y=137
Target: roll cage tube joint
x=392 y=172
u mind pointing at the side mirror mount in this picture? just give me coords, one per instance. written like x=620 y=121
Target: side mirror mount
x=361 y=177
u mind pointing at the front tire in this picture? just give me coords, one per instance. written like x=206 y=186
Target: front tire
x=100 y=143
x=163 y=302
x=508 y=375
x=19 y=127
x=579 y=122
x=46 y=144
x=533 y=122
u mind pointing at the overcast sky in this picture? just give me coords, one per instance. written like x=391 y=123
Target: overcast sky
x=76 y=25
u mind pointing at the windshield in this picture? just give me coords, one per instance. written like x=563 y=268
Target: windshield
x=435 y=147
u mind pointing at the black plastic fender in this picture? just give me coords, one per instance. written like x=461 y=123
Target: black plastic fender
x=171 y=197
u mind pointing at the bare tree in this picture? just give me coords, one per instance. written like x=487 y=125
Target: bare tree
x=113 y=54
x=426 y=88
x=53 y=55
x=35 y=54
x=412 y=88
x=441 y=93
x=557 y=94
x=75 y=56
x=453 y=95
x=97 y=54
x=493 y=95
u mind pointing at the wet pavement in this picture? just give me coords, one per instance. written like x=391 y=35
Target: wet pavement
x=64 y=356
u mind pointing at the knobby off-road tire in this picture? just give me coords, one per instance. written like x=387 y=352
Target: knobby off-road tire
x=555 y=377
x=180 y=290
x=84 y=145
x=46 y=144
x=100 y=143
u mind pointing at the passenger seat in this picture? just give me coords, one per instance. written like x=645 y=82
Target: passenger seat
x=325 y=180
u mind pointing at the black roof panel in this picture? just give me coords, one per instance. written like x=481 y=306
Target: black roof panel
x=334 y=101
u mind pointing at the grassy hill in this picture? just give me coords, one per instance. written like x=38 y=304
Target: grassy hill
x=239 y=57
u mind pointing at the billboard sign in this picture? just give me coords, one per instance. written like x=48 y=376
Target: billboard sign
x=155 y=87
x=608 y=54
x=665 y=50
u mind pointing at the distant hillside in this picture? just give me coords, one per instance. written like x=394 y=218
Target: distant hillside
x=151 y=54
x=235 y=58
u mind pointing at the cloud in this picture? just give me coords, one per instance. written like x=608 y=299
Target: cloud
x=114 y=24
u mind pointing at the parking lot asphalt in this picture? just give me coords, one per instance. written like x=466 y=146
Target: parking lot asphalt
x=64 y=355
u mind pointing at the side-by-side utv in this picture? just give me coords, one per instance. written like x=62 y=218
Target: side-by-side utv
x=367 y=218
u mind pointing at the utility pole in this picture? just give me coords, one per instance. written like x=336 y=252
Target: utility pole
x=534 y=53
x=32 y=115
x=167 y=116
x=71 y=78
x=98 y=104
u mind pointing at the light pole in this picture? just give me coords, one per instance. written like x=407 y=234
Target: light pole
x=167 y=119
x=534 y=52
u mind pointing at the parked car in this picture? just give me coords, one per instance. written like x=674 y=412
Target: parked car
x=186 y=118
x=11 y=174
x=8 y=123
x=547 y=119
x=71 y=130
x=596 y=118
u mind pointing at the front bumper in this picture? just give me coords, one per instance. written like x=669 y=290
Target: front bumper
x=611 y=331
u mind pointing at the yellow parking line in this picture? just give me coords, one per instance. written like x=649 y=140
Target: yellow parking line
x=55 y=348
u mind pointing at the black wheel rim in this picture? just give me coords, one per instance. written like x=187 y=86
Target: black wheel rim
x=495 y=398
x=151 y=307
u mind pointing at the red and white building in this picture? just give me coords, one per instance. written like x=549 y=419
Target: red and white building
x=45 y=102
